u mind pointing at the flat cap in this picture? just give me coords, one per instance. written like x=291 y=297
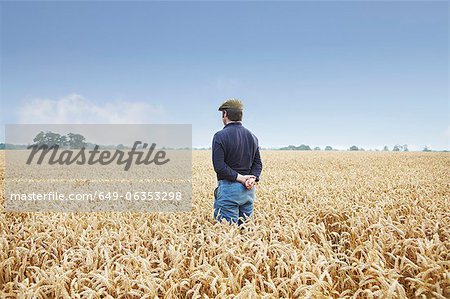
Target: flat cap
x=232 y=104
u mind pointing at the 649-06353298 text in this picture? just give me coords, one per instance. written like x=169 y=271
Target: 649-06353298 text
x=99 y=195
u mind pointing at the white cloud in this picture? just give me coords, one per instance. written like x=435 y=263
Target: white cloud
x=75 y=109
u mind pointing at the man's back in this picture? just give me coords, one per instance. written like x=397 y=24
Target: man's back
x=235 y=150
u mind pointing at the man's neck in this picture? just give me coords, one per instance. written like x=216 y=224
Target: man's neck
x=231 y=122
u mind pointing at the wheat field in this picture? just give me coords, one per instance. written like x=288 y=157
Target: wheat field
x=326 y=225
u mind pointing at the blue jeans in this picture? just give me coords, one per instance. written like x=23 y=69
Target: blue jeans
x=233 y=202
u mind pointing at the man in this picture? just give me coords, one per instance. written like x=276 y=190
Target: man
x=237 y=162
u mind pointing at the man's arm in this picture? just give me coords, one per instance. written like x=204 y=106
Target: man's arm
x=257 y=165
x=220 y=167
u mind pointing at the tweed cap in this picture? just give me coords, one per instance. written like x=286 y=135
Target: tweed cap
x=232 y=104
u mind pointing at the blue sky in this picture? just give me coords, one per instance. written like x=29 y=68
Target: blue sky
x=318 y=73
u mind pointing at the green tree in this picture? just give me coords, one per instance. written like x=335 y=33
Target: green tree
x=353 y=148
x=289 y=148
x=62 y=141
x=304 y=147
x=328 y=148
x=39 y=139
x=48 y=138
x=76 y=141
x=397 y=148
x=52 y=138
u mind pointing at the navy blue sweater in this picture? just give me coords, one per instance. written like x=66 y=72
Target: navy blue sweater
x=235 y=150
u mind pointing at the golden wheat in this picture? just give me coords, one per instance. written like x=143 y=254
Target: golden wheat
x=326 y=225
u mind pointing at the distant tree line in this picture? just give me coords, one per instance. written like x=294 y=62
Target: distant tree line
x=11 y=146
x=71 y=140
x=396 y=148
x=77 y=141
x=304 y=147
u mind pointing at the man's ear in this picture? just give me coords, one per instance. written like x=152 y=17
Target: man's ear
x=224 y=114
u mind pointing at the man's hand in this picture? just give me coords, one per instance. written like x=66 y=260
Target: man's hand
x=249 y=183
x=247 y=180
